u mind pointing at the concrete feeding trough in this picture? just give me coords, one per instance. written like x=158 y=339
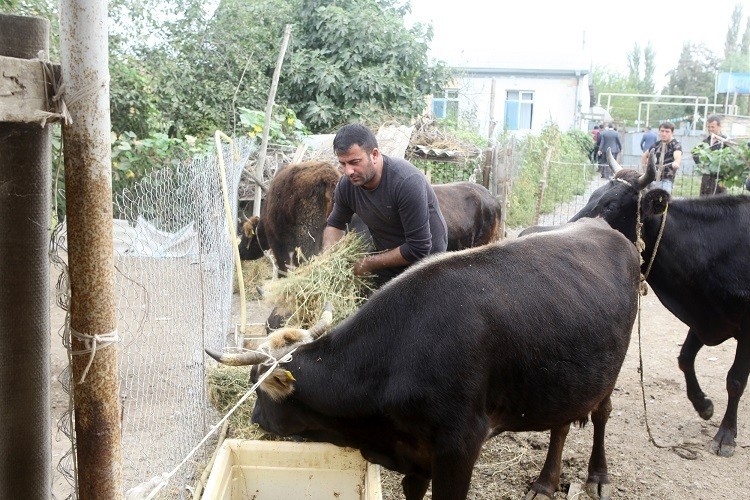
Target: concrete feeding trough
x=280 y=470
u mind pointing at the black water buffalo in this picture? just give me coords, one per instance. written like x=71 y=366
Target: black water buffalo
x=300 y=198
x=700 y=272
x=524 y=335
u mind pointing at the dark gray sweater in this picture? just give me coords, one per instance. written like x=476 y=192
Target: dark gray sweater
x=401 y=212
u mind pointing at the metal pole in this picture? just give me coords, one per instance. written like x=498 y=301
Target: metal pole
x=88 y=188
x=25 y=201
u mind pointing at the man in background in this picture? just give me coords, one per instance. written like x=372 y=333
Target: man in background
x=608 y=139
x=714 y=141
x=668 y=153
x=649 y=139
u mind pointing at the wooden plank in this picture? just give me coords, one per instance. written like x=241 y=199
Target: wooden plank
x=22 y=90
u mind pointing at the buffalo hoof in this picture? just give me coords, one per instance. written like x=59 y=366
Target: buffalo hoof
x=706 y=411
x=535 y=495
x=599 y=491
x=723 y=443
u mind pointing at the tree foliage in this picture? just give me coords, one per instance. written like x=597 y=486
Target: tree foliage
x=641 y=77
x=355 y=60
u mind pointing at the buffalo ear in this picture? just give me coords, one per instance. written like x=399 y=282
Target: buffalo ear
x=654 y=202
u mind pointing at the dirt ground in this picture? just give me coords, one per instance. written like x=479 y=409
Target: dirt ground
x=638 y=469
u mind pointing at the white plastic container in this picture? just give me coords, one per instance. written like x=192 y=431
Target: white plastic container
x=283 y=470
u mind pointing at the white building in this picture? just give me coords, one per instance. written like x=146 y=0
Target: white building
x=519 y=94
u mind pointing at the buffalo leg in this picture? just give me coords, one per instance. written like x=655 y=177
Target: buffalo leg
x=453 y=461
x=686 y=360
x=549 y=479
x=723 y=443
x=597 y=484
x=414 y=487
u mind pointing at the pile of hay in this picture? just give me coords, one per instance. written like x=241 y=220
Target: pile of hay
x=327 y=277
x=226 y=385
x=254 y=274
x=427 y=136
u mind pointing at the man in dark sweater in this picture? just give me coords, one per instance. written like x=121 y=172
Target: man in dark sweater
x=392 y=197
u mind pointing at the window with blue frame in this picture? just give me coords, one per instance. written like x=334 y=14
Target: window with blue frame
x=519 y=109
x=446 y=106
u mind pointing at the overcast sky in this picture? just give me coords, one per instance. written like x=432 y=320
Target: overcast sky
x=601 y=32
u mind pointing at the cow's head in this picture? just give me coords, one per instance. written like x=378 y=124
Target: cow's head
x=252 y=239
x=280 y=383
x=617 y=201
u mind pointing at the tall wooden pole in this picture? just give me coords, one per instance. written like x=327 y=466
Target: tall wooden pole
x=25 y=194
x=88 y=189
x=267 y=125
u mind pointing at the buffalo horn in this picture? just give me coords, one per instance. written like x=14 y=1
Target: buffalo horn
x=649 y=175
x=238 y=359
x=612 y=162
x=323 y=323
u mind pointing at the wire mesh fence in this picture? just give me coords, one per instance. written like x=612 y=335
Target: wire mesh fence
x=173 y=284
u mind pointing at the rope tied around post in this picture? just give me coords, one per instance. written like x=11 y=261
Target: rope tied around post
x=92 y=343
x=55 y=103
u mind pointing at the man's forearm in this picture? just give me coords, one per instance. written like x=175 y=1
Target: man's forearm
x=331 y=235
x=373 y=262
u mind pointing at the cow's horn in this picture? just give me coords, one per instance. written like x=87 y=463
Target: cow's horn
x=612 y=162
x=238 y=359
x=649 y=175
x=261 y=291
x=323 y=323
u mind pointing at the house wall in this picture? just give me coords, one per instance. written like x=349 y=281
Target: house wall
x=559 y=99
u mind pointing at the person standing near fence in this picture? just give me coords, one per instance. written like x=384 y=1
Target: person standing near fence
x=649 y=139
x=668 y=152
x=392 y=197
x=716 y=140
x=608 y=139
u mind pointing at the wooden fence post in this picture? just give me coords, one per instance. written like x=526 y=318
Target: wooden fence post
x=88 y=194
x=542 y=187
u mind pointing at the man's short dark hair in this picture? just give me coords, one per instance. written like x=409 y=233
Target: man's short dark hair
x=714 y=118
x=667 y=125
x=351 y=134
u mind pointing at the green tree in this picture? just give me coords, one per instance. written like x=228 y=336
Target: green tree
x=694 y=76
x=731 y=44
x=344 y=68
x=624 y=110
x=641 y=78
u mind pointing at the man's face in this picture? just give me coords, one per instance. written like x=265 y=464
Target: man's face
x=714 y=128
x=665 y=135
x=358 y=165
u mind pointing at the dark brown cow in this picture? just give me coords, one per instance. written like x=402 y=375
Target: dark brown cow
x=471 y=213
x=297 y=204
x=523 y=335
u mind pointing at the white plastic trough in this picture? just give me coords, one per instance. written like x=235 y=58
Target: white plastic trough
x=283 y=470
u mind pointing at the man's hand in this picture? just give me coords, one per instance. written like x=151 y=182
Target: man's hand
x=361 y=268
x=330 y=236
